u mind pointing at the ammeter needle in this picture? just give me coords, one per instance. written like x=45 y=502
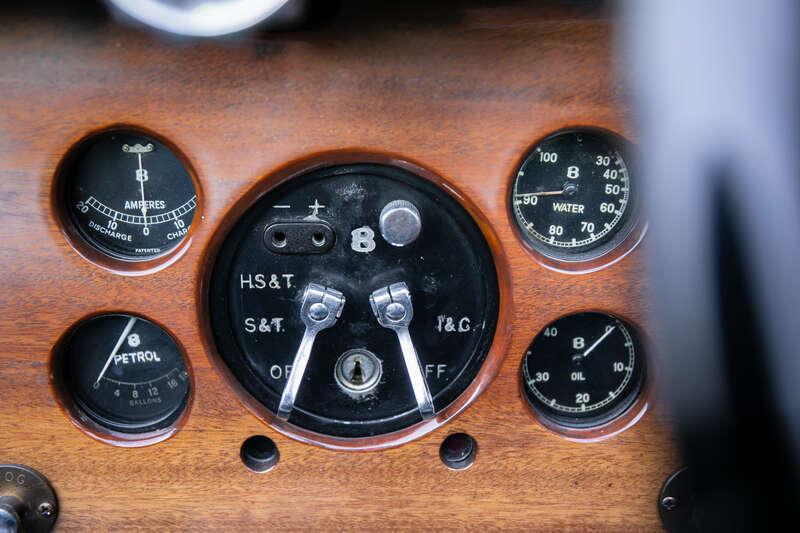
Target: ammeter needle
x=140 y=177
x=121 y=339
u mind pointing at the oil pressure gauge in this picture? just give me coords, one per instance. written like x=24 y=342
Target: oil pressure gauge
x=575 y=196
x=124 y=373
x=128 y=195
x=583 y=370
x=354 y=301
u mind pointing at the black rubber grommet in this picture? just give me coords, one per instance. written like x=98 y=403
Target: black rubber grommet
x=259 y=453
x=458 y=451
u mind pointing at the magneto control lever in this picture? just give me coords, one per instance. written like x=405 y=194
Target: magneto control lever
x=393 y=309
x=319 y=310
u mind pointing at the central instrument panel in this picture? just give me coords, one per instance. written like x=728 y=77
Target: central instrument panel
x=337 y=267
x=354 y=301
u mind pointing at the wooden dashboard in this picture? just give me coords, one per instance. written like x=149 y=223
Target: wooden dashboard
x=462 y=90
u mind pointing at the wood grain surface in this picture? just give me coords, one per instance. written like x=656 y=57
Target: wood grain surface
x=461 y=88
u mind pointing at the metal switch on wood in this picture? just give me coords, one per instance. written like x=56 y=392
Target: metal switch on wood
x=393 y=309
x=319 y=310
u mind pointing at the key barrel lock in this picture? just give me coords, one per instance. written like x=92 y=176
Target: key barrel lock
x=353 y=302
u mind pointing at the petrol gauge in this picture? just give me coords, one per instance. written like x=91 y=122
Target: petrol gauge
x=354 y=301
x=129 y=196
x=583 y=370
x=125 y=373
x=574 y=197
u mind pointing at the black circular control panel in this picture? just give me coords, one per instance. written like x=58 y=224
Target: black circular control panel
x=354 y=301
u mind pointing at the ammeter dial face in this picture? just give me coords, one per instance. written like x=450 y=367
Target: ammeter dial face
x=573 y=197
x=125 y=373
x=583 y=370
x=354 y=301
x=129 y=195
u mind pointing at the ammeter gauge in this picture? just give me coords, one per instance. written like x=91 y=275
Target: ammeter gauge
x=125 y=373
x=128 y=195
x=354 y=301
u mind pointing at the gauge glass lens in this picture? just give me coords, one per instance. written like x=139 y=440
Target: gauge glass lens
x=126 y=373
x=573 y=196
x=129 y=195
x=583 y=370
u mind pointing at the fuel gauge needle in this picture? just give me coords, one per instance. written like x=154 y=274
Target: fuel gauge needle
x=121 y=339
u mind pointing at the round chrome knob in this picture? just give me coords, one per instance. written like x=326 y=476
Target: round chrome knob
x=400 y=223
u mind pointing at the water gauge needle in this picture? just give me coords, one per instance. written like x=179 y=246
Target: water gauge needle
x=543 y=193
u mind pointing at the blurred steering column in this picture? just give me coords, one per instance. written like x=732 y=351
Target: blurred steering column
x=716 y=85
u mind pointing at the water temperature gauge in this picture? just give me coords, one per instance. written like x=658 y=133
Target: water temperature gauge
x=125 y=373
x=575 y=196
x=128 y=195
x=354 y=301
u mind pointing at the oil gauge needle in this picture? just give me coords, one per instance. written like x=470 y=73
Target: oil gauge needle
x=598 y=341
x=121 y=339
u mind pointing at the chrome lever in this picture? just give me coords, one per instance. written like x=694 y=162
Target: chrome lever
x=319 y=310
x=393 y=309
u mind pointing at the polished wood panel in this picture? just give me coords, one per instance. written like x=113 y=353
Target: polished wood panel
x=461 y=88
